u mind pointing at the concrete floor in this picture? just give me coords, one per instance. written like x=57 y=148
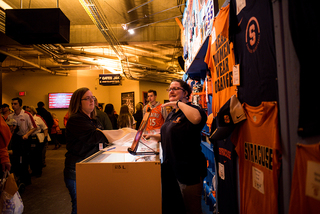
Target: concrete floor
x=48 y=194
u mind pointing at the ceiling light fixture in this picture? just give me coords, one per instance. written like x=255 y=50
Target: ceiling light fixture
x=124 y=26
x=131 y=31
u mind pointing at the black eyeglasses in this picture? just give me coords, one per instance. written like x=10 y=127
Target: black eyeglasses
x=89 y=98
x=174 y=89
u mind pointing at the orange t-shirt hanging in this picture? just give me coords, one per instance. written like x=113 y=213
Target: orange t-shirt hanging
x=220 y=60
x=257 y=144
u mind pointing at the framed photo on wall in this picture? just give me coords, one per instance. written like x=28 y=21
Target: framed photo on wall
x=145 y=97
x=127 y=98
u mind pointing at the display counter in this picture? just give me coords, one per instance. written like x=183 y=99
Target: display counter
x=118 y=182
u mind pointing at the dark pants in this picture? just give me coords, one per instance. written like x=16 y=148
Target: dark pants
x=36 y=156
x=172 y=201
x=71 y=185
x=20 y=158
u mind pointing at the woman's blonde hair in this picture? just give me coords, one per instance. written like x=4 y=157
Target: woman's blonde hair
x=75 y=102
x=139 y=106
x=33 y=109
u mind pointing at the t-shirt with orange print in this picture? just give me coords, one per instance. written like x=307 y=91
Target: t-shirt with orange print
x=305 y=186
x=220 y=60
x=257 y=144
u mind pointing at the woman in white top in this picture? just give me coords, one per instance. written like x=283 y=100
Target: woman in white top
x=38 y=141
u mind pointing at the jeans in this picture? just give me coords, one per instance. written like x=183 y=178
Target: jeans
x=71 y=185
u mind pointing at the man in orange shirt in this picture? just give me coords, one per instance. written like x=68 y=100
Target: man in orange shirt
x=158 y=114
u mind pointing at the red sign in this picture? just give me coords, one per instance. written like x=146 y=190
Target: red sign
x=22 y=93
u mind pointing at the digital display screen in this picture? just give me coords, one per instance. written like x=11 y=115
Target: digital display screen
x=59 y=100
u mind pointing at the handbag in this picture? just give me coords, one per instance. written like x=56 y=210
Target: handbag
x=10 y=201
x=13 y=205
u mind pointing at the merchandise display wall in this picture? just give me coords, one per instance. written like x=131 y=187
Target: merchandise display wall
x=268 y=75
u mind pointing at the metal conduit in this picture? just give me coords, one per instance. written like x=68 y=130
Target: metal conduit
x=94 y=11
x=33 y=64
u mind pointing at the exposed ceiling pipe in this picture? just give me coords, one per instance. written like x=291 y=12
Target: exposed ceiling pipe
x=94 y=11
x=139 y=6
x=146 y=16
x=33 y=64
x=83 y=53
x=59 y=54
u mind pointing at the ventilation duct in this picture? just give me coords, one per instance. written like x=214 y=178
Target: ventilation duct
x=37 y=26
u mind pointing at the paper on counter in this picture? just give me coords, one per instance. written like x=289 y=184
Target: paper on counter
x=118 y=134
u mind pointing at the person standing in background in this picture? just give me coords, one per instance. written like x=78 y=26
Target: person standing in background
x=55 y=131
x=5 y=137
x=125 y=119
x=45 y=114
x=103 y=117
x=21 y=142
x=37 y=143
x=109 y=110
x=139 y=114
x=157 y=115
x=49 y=121
x=5 y=111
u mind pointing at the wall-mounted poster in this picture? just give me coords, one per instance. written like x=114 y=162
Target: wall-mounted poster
x=145 y=97
x=127 y=98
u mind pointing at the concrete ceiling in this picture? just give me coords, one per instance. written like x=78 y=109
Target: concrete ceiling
x=151 y=52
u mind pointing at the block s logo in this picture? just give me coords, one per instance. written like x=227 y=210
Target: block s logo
x=252 y=34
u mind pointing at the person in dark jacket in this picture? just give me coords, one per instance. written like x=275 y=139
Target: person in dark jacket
x=82 y=137
x=139 y=114
x=46 y=115
x=109 y=109
x=103 y=117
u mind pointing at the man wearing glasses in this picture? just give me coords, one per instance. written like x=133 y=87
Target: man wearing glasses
x=157 y=115
x=20 y=140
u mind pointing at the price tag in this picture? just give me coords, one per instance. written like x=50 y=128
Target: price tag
x=221 y=171
x=258 y=179
x=236 y=75
x=313 y=180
